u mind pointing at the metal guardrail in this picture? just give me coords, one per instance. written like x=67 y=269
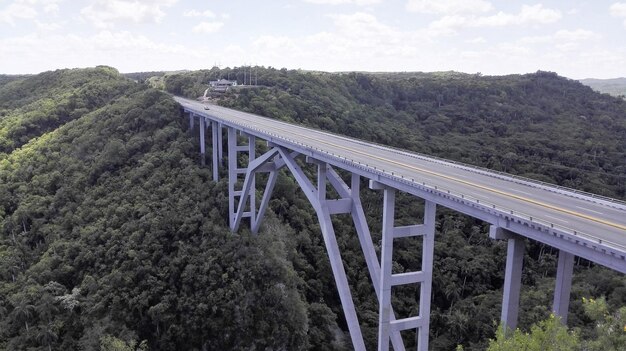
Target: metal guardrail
x=485 y=205
x=583 y=195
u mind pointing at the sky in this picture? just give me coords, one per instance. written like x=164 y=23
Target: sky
x=576 y=39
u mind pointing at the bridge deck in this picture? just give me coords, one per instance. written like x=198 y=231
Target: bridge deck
x=546 y=205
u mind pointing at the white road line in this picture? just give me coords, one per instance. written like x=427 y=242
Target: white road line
x=586 y=209
x=556 y=218
x=478 y=196
x=519 y=191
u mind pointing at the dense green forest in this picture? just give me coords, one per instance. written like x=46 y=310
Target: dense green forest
x=113 y=237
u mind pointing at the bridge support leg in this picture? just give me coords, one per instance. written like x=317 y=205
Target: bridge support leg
x=235 y=208
x=233 y=177
x=202 y=141
x=214 y=142
x=220 y=146
x=317 y=197
x=191 y=118
x=512 y=281
x=428 y=257
x=365 y=239
x=387 y=279
x=563 y=287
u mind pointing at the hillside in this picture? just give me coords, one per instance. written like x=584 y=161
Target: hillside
x=112 y=234
x=614 y=86
x=110 y=231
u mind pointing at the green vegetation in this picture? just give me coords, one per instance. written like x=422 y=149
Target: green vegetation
x=112 y=237
x=547 y=335
x=110 y=230
x=551 y=335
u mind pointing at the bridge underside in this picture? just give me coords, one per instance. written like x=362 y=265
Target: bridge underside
x=244 y=163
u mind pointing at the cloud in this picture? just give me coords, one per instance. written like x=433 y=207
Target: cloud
x=122 y=49
x=477 y=40
x=18 y=10
x=196 y=13
x=618 y=9
x=342 y=2
x=355 y=41
x=448 y=6
x=535 y=14
x=563 y=40
x=208 y=27
x=48 y=26
x=103 y=13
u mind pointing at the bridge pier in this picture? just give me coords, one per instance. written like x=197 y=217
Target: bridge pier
x=564 y=273
x=202 y=141
x=387 y=322
x=216 y=141
x=512 y=274
x=235 y=197
x=512 y=281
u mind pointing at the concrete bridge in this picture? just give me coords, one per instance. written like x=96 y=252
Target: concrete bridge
x=576 y=223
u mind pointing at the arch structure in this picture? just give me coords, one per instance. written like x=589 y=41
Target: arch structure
x=289 y=147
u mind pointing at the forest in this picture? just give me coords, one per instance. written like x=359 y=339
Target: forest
x=114 y=237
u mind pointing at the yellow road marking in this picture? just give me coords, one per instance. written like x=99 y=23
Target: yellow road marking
x=522 y=198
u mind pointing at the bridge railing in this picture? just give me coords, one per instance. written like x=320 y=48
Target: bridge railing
x=580 y=194
x=485 y=205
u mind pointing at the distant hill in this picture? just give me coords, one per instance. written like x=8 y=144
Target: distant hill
x=614 y=86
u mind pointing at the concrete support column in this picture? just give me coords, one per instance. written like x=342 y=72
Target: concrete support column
x=386 y=263
x=563 y=287
x=215 y=140
x=220 y=147
x=428 y=257
x=252 y=194
x=512 y=281
x=232 y=174
x=191 y=117
x=202 y=141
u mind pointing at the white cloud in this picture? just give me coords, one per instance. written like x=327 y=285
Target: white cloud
x=18 y=10
x=355 y=41
x=561 y=36
x=196 y=13
x=618 y=9
x=126 y=51
x=50 y=7
x=535 y=14
x=208 y=27
x=48 y=26
x=103 y=13
x=342 y=2
x=477 y=40
x=448 y=6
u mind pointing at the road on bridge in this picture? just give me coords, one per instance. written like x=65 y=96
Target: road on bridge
x=594 y=219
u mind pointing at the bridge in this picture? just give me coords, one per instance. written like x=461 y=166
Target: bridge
x=576 y=223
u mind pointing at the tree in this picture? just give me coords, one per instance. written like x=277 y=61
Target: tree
x=47 y=334
x=23 y=311
x=610 y=332
x=547 y=335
